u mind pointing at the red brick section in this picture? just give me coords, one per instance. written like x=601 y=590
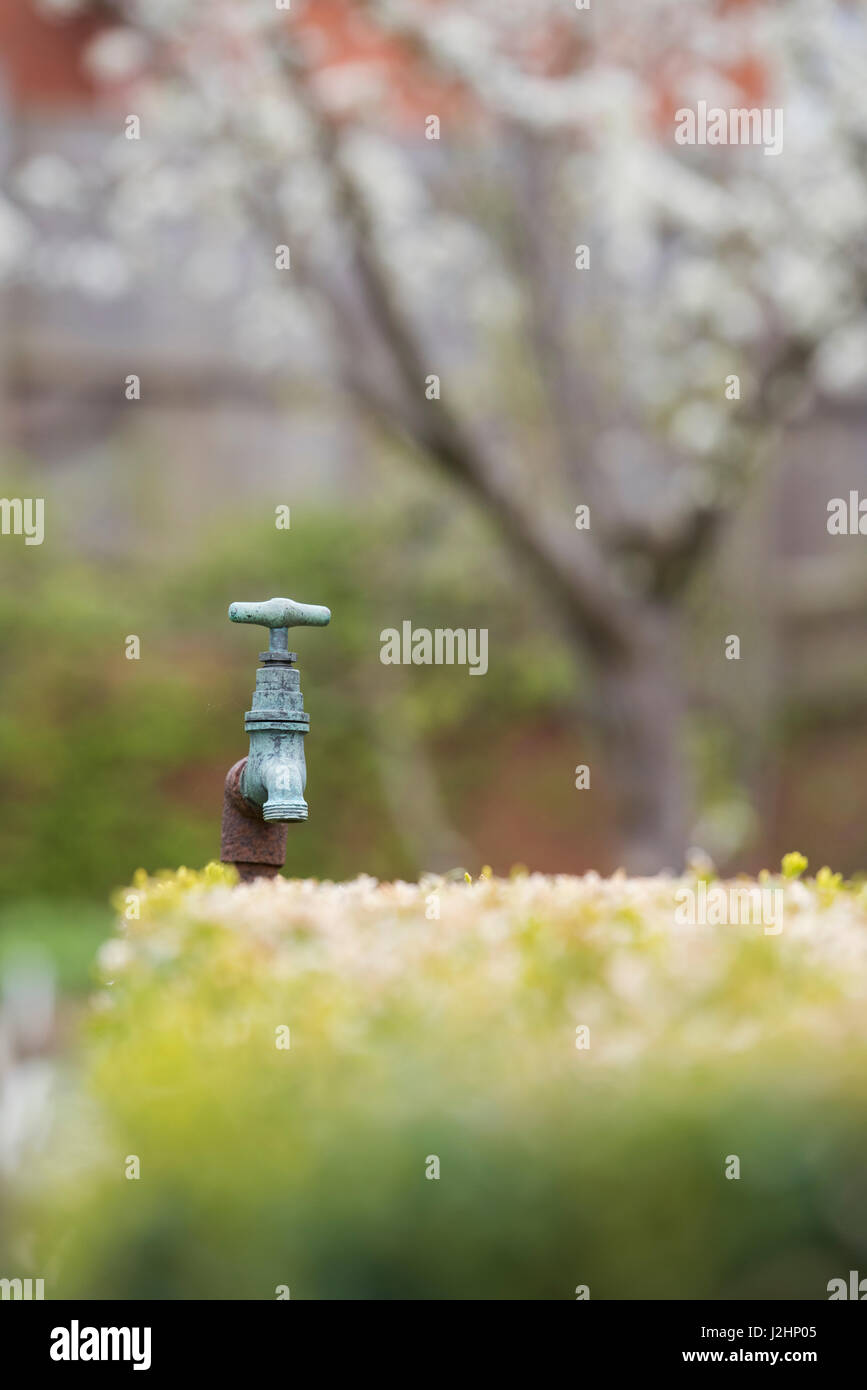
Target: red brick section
x=551 y=47
x=40 y=57
x=341 y=34
x=748 y=78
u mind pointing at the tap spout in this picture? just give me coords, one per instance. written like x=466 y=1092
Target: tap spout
x=276 y=775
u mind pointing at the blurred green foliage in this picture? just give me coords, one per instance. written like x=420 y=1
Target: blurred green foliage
x=64 y=932
x=415 y=1036
x=112 y=763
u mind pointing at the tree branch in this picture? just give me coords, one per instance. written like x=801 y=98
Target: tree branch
x=569 y=566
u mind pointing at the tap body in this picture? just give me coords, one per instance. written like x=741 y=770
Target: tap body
x=265 y=790
x=276 y=773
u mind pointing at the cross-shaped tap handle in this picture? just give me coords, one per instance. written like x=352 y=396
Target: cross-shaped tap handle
x=280 y=612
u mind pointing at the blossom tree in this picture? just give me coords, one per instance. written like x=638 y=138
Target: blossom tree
x=512 y=262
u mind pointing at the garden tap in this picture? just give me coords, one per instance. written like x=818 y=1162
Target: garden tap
x=265 y=790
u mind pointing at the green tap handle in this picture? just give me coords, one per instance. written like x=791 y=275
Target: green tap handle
x=280 y=612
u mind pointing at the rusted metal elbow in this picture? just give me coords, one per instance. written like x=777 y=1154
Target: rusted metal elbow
x=255 y=846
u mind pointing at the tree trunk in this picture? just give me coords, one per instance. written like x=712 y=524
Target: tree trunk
x=641 y=715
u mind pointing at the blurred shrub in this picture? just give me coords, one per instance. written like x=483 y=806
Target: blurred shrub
x=440 y=1019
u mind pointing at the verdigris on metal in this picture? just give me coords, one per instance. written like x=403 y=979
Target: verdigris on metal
x=271 y=780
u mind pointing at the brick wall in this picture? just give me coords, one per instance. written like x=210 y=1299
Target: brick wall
x=40 y=57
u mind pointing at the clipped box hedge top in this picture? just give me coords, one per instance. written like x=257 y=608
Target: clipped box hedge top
x=497 y=1089
x=632 y=960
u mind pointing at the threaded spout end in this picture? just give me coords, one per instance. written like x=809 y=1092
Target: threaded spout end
x=284 y=808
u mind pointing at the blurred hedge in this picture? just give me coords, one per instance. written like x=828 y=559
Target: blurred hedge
x=440 y=1020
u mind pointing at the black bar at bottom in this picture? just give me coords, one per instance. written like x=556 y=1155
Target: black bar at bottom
x=153 y=1338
